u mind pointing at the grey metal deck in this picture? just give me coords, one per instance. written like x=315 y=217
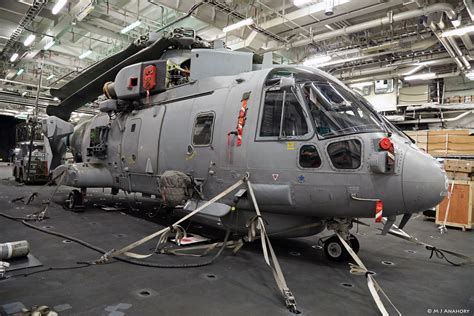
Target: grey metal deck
x=234 y=284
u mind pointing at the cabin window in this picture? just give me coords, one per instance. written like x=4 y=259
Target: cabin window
x=203 y=126
x=132 y=129
x=345 y=154
x=293 y=122
x=309 y=157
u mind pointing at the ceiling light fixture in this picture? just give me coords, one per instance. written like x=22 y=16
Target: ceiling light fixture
x=318 y=7
x=49 y=45
x=317 y=60
x=24 y=93
x=50 y=77
x=425 y=76
x=29 y=40
x=130 y=27
x=458 y=32
x=361 y=84
x=469 y=75
x=58 y=6
x=456 y=22
x=56 y=99
x=85 y=54
x=14 y=57
x=300 y=3
x=20 y=71
x=238 y=25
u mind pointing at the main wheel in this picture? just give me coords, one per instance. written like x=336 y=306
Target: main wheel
x=74 y=200
x=354 y=242
x=335 y=250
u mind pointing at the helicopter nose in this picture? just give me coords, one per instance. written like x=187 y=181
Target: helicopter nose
x=425 y=183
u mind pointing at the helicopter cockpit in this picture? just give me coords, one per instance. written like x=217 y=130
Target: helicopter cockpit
x=334 y=109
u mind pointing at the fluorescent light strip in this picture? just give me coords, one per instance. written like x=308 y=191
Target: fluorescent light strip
x=318 y=7
x=58 y=6
x=29 y=40
x=131 y=27
x=50 y=77
x=300 y=3
x=459 y=32
x=238 y=25
x=49 y=45
x=14 y=57
x=425 y=76
x=361 y=84
x=317 y=60
x=85 y=54
x=20 y=71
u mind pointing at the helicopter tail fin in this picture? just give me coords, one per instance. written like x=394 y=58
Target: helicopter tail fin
x=56 y=132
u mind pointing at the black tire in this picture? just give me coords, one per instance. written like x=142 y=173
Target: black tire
x=74 y=200
x=354 y=243
x=335 y=250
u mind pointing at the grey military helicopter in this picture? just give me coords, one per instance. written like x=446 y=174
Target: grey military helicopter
x=183 y=119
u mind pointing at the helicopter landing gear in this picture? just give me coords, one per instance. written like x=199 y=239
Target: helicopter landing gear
x=335 y=250
x=75 y=201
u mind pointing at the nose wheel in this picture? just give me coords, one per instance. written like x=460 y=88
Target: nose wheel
x=75 y=201
x=335 y=250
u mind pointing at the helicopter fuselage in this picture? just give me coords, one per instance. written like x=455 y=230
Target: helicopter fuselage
x=303 y=168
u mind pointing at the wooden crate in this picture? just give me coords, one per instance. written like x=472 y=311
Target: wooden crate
x=460 y=210
x=459 y=165
x=450 y=143
x=464 y=176
x=420 y=137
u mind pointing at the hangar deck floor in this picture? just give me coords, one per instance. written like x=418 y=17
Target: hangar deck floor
x=234 y=284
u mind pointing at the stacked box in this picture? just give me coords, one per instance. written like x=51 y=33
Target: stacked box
x=450 y=142
x=462 y=176
x=460 y=211
x=458 y=165
x=455 y=99
x=420 y=137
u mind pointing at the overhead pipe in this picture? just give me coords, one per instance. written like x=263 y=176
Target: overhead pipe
x=400 y=74
x=438 y=7
x=364 y=72
x=438 y=120
x=458 y=51
x=450 y=44
x=470 y=8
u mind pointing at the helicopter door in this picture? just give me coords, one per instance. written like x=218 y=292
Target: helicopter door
x=205 y=120
x=130 y=144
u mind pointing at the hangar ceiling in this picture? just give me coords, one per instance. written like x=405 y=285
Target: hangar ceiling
x=359 y=40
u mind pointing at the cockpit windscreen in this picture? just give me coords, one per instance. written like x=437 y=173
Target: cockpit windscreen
x=337 y=112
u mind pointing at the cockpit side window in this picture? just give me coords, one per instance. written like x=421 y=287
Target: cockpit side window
x=283 y=115
x=345 y=154
x=309 y=157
